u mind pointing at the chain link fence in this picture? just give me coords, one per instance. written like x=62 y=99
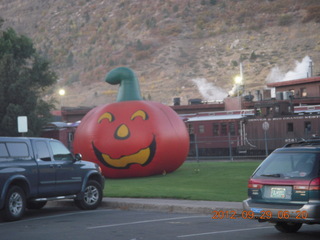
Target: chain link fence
x=233 y=148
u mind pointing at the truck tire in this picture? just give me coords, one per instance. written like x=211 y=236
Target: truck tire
x=92 y=196
x=15 y=204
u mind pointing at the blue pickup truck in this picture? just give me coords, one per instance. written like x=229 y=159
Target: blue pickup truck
x=36 y=170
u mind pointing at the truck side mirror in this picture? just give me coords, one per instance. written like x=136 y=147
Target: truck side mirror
x=78 y=156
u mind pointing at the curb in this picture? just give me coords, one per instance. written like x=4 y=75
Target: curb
x=164 y=205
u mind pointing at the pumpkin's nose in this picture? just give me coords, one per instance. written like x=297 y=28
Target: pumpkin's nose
x=122 y=132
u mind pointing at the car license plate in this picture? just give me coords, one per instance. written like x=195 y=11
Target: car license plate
x=256 y=210
x=277 y=192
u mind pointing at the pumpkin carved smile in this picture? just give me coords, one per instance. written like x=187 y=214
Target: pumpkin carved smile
x=132 y=137
x=142 y=157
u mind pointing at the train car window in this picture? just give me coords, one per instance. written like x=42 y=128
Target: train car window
x=257 y=112
x=232 y=128
x=216 y=131
x=190 y=128
x=290 y=109
x=224 y=129
x=201 y=128
x=289 y=127
x=307 y=127
x=303 y=92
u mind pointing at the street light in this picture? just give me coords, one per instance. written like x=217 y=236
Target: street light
x=62 y=92
x=238 y=80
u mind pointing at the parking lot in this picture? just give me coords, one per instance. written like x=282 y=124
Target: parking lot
x=54 y=223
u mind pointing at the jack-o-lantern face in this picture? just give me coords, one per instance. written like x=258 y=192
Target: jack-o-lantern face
x=132 y=137
x=122 y=132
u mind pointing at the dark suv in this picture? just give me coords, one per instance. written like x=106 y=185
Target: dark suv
x=285 y=188
x=36 y=170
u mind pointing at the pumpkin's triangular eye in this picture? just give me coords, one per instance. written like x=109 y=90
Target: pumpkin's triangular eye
x=140 y=113
x=108 y=116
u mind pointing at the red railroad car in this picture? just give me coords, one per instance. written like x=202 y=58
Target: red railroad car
x=249 y=131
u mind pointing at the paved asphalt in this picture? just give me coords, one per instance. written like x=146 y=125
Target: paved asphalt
x=166 y=205
x=149 y=219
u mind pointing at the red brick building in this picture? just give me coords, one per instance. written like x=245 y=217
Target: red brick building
x=302 y=91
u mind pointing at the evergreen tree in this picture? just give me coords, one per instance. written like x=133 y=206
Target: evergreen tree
x=23 y=77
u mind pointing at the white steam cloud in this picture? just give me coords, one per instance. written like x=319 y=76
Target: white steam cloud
x=301 y=70
x=208 y=91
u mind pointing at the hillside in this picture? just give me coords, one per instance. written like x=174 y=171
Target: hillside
x=168 y=43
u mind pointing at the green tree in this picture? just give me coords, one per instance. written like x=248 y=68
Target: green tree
x=24 y=75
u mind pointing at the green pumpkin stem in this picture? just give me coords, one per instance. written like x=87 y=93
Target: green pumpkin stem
x=129 y=89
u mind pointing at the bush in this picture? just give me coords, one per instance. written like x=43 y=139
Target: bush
x=213 y=2
x=170 y=30
x=285 y=20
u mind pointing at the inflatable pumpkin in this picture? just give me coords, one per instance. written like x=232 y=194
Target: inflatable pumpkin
x=132 y=137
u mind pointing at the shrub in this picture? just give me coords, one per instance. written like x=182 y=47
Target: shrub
x=170 y=30
x=151 y=22
x=234 y=63
x=285 y=20
x=213 y=2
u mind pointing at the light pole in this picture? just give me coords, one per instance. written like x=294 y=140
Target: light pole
x=238 y=82
x=62 y=92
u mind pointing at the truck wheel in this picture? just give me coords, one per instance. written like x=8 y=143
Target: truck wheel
x=15 y=204
x=92 y=196
x=36 y=205
x=288 y=227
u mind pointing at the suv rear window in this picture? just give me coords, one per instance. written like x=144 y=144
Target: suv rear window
x=289 y=165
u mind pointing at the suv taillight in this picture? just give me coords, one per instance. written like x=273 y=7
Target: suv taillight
x=253 y=184
x=315 y=184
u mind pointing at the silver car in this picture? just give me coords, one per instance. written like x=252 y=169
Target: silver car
x=285 y=188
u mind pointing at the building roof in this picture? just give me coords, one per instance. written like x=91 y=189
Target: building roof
x=216 y=117
x=294 y=82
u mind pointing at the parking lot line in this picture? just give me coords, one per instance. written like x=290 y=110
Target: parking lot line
x=225 y=231
x=53 y=216
x=145 y=221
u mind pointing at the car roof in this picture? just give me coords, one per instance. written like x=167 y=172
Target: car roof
x=304 y=143
x=310 y=145
x=22 y=138
x=298 y=150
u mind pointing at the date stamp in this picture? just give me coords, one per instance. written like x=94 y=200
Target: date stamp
x=264 y=215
